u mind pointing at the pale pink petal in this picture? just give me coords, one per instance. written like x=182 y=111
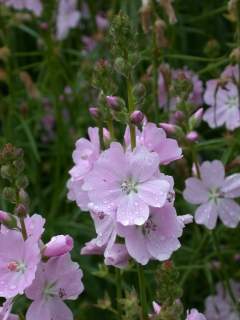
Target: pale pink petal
x=212 y=174
x=231 y=186
x=136 y=246
x=195 y=192
x=143 y=164
x=229 y=212
x=207 y=215
x=154 y=192
x=132 y=210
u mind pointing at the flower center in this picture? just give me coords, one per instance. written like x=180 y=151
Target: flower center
x=149 y=226
x=49 y=290
x=129 y=186
x=232 y=102
x=15 y=266
x=214 y=194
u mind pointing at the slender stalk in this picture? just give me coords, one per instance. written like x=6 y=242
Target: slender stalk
x=131 y=109
x=142 y=291
x=224 y=274
x=195 y=161
x=118 y=292
x=111 y=128
x=101 y=136
x=23 y=228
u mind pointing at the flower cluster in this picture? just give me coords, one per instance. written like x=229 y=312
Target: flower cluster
x=222 y=95
x=214 y=193
x=128 y=196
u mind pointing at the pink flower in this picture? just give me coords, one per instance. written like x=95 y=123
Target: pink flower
x=155 y=140
x=195 y=315
x=220 y=306
x=5 y=311
x=68 y=17
x=157 y=238
x=127 y=182
x=117 y=256
x=57 y=280
x=215 y=195
x=58 y=246
x=18 y=263
x=84 y=156
x=225 y=109
x=32 y=5
x=169 y=102
x=156 y=309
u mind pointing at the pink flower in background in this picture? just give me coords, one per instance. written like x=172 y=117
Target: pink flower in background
x=226 y=109
x=156 y=310
x=117 y=256
x=33 y=5
x=214 y=193
x=167 y=101
x=67 y=18
x=195 y=315
x=5 y=311
x=101 y=21
x=220 y=305
x=127 y=182
x=155 y=140
x=157 y=238
x=58 y=246
x=84 y=156
x=57 y=280
x=18 y=263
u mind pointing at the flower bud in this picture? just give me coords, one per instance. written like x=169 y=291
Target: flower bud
x=169 y=128
x=159 y=29
x=4 y=216
x=120 y=66
x=21 y=210
x=145 y=14
x=235 y=55
x=137 y=117
x=58 y=246
x=6 y=171
x=139 y=91
x=23 y=197
x=192 y=136
x=169 y=10
x=9 y=194
x=114 y=103
x=22 y=182
x=198 y=114
x=95 y=113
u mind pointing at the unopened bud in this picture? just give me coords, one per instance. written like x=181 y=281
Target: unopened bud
x=169 y=128
x=235 y=55
x=106 y=136
x=9 y=194
x=145 y=14
x=58 y=246
x=23 y=197
x=159 y=28
x=22 y=182
x=21 y=210
x=120 y=66
x=198 y=114
x=95 y=113
x=8 y=220
x=44 y=26
x=192 y=136
x=137 y=117
x=139 y=91
x=4 y=216
x=169 y=10
x=114 y=103
x=6 y=171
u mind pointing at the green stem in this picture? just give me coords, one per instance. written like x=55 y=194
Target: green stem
x=111 y=128
x=195 y=161
x=223 y=270
x=119 y=292
x=131 y=109
x=23 y=228
x=101 y=136
x=142 y=291
x=155 y=73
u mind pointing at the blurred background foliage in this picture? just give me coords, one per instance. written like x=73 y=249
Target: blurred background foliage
x=41 y=77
